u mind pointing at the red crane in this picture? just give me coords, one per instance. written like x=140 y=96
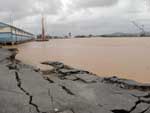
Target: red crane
x=43 y=30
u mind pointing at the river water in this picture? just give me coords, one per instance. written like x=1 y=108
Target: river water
x=124 y=57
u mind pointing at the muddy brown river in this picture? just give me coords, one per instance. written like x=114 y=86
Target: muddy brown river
x=124 y=57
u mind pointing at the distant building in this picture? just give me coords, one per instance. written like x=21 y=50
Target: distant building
x=11 y=34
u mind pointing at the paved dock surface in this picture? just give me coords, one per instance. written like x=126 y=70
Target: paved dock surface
x=63 y=89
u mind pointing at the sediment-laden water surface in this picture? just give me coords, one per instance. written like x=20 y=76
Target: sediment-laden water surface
x=123 y=57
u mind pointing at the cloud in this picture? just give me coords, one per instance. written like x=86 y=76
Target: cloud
x=76 y=16
x=94 y=3
x=19 y=9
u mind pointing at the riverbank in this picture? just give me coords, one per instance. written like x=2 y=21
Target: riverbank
x=64 y=89
x=125 y=57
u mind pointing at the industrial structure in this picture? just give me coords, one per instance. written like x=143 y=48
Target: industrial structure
x=42 y=37
x=141 y=28
x=43 y=29
x=11 y=35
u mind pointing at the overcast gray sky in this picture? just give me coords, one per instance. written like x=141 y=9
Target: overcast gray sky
x=77 y=16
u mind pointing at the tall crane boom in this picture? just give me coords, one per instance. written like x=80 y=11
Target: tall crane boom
x=141 y=28
x=43 y=29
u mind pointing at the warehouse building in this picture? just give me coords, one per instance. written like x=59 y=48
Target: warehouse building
x=11 y=35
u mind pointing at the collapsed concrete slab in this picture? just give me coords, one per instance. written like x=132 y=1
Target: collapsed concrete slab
x=64 y=89
x=12 y=99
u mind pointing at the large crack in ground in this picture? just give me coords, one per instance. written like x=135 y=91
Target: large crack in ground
x=68 y=91
x=13 y=66
x=114 y=80
x=122 y=84
x=132 y=109
x=63 y=76
x=139 y=101
x=19 y=84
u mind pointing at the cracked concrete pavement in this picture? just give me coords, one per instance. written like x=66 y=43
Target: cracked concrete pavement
x=63 y=89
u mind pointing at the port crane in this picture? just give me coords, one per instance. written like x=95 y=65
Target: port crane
x=43 y=29
x=141 y=28
x=42 y=36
